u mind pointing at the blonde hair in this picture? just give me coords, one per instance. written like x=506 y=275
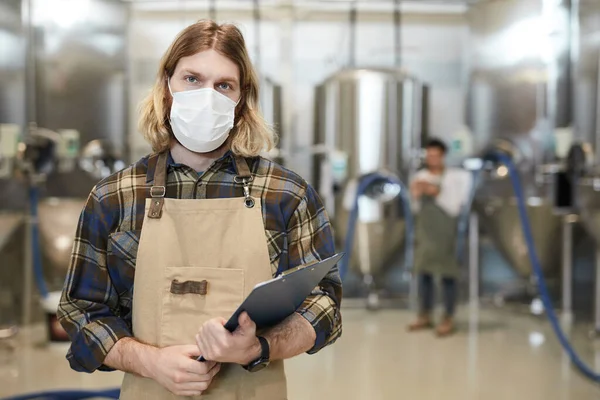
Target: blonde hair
x=250 y=134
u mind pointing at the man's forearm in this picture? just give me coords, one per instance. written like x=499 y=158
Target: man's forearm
x=131 y=356
x=292 y=337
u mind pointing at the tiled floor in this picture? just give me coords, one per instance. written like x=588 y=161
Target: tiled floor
x=495 y=356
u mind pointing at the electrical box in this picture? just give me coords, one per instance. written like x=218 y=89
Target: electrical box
x=564 y=194
x=9 y=141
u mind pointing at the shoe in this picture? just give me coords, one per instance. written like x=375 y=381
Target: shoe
x=445 y=328
x=422 y=322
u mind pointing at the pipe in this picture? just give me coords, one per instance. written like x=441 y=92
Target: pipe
x=363 y=184
x=212 y=9
x=256 y=13
x=35 y=249
x=31 y=64
x=352 y=41
x=567 y=271
x=397 y=34
x=597 y=294
x=465 y=215
x=541 y=281
x=473 y=259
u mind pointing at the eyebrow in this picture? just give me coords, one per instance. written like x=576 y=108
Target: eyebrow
x=228 y=79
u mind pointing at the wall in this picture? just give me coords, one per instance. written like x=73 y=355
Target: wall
x=301 y=47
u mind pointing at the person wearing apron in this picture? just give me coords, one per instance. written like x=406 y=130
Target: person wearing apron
x=440 y=192
x=196 y=226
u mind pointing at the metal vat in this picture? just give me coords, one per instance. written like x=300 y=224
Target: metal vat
x=518 y=95
x=57 y=225
x=61 y=67
x=270 y=105
x=367 y=120
x=586 y=105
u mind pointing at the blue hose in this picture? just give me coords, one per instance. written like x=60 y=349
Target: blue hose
x=363 y=185
x=525 y=225
x=69 y=395
x=38 y=270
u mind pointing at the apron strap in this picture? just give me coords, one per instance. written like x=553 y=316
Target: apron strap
x=244 y=176
x=159 y=187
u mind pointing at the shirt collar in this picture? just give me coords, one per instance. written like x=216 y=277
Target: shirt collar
x=226 y=163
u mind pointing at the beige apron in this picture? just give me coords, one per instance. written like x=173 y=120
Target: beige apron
x=197 y=260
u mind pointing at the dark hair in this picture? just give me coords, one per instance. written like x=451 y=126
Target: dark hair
x=437 y=144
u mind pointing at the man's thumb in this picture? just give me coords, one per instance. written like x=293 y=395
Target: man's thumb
x=245 y=321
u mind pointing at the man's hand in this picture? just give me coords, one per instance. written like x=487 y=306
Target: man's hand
x=218 y=344
x=173 y=368
x=430 y=189
x=416 y=189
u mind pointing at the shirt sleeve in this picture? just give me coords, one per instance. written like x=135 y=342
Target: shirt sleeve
x=455 y=191
x=88 y=308
x=310 y=241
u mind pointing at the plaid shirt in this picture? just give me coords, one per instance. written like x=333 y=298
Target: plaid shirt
x=95 y=308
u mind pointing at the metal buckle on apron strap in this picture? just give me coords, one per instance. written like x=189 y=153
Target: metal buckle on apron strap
x=158 y=189
x=248 y=200
x=162 y=189
x=157 y=194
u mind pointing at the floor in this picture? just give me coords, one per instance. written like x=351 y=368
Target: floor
x=496 y=355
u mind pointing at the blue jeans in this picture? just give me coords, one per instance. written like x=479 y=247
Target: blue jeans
x=427 y=294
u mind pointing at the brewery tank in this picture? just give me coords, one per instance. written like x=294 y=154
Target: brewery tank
x=58 y=76
x=586 y=107
x=518 y=98
x=368 y=120
x=271 y=102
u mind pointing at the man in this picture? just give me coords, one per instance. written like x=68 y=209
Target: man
x=439 y=194
x=168 y=248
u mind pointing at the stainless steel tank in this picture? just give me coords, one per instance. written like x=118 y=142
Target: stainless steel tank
x=271 y=104
x=586 y=105
x=60 y=68
x=79 y=77
x=367 y=120
x=57 y=218
x=518 y=95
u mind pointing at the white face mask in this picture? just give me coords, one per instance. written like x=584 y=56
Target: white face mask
x=201 y=119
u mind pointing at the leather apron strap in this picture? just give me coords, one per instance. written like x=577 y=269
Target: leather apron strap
x=244 y=176
x=159 y=186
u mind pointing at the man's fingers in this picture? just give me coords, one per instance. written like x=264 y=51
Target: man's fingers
x=194 y=385
x=189 y=393
x=244 y=319
x=214 y=370
x=245 y=323
x=190 y=350
x=198 y=367
x=207 y=377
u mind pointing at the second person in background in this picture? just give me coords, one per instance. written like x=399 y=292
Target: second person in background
x=439 y=193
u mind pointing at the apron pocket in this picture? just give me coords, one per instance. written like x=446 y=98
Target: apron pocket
x=192 y=296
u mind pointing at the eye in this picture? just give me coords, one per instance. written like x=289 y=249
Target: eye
x=191 y=79
x=224 y=86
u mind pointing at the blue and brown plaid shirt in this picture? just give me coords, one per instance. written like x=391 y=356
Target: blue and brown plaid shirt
x=96 y=303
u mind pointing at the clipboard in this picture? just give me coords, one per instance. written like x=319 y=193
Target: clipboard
x=272 y=301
